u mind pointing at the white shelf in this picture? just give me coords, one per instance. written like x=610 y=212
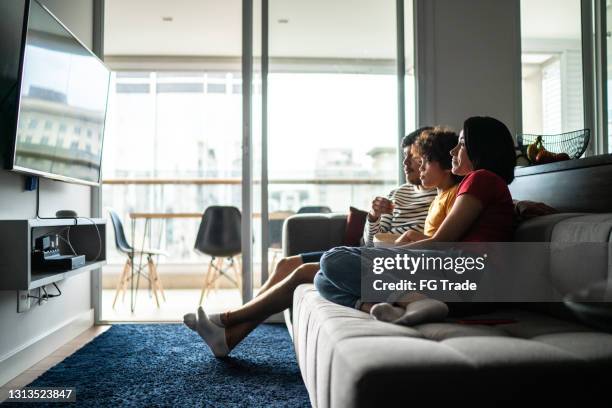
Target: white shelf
x=17 y=239
x=39 y=279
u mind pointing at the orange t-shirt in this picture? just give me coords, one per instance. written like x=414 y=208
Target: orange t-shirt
x=439 y=209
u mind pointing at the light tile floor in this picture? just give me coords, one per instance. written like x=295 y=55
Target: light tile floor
x=178 y=302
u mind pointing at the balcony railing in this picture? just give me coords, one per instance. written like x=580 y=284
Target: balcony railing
x=234 y=181
x=192 y=195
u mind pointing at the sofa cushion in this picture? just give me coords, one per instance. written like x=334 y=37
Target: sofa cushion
x=319 y=325
x=443 y=331
x=479 y=371
x=350 y=360
x=539 y=229
x=393 y=371
x=589 y=346
x=576 y=242
x=312 y=232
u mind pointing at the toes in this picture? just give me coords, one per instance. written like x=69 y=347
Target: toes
x=190 y=320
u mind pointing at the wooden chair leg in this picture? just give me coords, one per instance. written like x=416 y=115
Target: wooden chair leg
x=124 y=287
x=127 y=280
x=237 y=273
x=126 y=267
x=217 y=272
x=153 y=280
x=206 y=284
x=158 y=280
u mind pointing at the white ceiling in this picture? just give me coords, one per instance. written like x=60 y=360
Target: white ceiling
x=314 y=28
x=550 y=19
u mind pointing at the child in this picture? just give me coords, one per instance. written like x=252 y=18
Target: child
x=433 y=147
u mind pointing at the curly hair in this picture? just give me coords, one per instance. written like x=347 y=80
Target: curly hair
x=435 y=145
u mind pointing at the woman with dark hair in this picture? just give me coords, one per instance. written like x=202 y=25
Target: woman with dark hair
x=490 y=146
x=482 y=212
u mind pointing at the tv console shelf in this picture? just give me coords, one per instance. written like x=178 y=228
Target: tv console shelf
x=17 y=238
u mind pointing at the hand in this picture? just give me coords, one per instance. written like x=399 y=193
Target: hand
x=410 y=236
x=380 y=205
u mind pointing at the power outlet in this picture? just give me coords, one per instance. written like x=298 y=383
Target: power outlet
x=24 y=302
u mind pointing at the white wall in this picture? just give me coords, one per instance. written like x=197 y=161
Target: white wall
x=468 y=53
x=20 y=330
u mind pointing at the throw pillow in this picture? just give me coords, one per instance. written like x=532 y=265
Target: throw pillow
x=354 y=227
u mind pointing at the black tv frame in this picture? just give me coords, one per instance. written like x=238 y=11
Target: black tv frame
x=11 y=77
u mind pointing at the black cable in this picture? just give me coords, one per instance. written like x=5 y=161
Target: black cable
x=59 y=292
x=76 y=221
x=46 y=296
x=38 y=204
x=99 y=238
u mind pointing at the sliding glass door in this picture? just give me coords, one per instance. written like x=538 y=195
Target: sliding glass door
x=332 y=109
x=173 y=149
x=322 y=135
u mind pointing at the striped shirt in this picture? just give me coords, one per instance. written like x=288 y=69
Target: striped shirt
x=410 y=211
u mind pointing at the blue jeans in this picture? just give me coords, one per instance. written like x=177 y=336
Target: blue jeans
x=339 y=279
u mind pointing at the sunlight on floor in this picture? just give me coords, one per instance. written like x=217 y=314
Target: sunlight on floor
x=178 y=302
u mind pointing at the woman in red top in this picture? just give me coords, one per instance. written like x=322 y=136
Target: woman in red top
x=483 y=209
x=482 y=212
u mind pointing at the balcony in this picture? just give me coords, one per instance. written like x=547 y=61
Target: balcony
x=166 y=213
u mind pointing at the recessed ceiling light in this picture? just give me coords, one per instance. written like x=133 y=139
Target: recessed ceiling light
x=167 y=19
x=283 y=21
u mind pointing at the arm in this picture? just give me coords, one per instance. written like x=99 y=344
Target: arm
x=371 y=229
x=379 y=214
x=465 y=211
x=410 y=236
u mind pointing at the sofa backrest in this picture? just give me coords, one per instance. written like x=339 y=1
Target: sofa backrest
x=580 y=252
x=313 y=232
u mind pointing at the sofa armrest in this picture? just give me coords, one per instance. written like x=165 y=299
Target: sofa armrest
x=312 y=232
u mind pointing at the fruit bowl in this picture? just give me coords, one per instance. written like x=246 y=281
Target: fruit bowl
x=573 y=144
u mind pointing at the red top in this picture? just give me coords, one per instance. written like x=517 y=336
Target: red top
x=494 y=224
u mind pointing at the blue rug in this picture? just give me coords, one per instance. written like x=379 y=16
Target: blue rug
x=168 y=365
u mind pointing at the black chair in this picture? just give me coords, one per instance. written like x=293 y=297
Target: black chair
x=128 y=273
x=219 y=237
x=314 y=209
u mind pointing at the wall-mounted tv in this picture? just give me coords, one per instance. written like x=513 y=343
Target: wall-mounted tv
x=62 y=92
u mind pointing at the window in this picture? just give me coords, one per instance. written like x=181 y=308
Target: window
x=180 y=131
x=215 y=88
x=551 y=66
x=332 y=104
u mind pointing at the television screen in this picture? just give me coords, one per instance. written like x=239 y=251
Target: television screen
x=62 y=105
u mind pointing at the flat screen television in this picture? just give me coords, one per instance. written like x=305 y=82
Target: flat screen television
x=62 y=91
